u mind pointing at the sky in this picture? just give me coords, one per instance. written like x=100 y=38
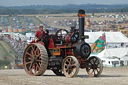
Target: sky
x=58 y=2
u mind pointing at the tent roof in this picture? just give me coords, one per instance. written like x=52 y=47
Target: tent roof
x=113 y=52
x=111 y=37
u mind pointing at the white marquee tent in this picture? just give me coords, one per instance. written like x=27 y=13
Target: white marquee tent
x=111 y=37
x=116 y=45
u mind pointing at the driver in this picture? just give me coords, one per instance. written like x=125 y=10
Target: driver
x=40 y=34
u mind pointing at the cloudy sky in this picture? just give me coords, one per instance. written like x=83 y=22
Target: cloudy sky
x=58 y=2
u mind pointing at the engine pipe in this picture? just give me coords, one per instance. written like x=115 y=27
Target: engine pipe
x=82 y=49
x=81 y=16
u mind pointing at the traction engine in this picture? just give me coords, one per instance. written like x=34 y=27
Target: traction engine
x=63 y=53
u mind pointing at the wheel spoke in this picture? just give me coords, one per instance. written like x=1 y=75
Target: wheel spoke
x=29 y=54
x=73 y=62
x=33 y=67
x=30 y=66
x=94 y=72
x=29 y=58
x=67 y=62
x=33 y=51
x=38 y=55
x=71 y=66
x=36 y=51
x=88 y=69
x=37 y=66
x=94 y=68
x=30 y=71
x=97 y=71
x=98 y=66
x=32 y=48
x=38 y=60
x=69 y=59
x=94 y=60
x=71 y=73
x=67 y=71
x=91 y=61
x=73 y=69
x=91 y=72
x=89 y=64
x=32 y=59
x=28 y=63
x=66 y=68
x=97 y=62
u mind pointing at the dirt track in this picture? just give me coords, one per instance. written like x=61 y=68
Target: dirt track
x=110 y=76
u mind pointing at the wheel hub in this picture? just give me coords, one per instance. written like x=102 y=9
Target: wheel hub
x=94 y=66
x=33 y=59
x=69 y=66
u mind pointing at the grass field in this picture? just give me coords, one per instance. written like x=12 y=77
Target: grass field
x=5 y=49
x=41 y=22
x=13 y=51
x=4 y=52
x=36 y=21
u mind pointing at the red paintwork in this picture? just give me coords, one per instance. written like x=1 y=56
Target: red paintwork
x=69 y=52
x=51 y=43
x=67 y=38
x=82 y=62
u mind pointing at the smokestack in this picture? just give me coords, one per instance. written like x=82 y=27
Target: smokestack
x=81 y=16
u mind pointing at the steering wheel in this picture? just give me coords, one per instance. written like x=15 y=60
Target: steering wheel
x=61 y=33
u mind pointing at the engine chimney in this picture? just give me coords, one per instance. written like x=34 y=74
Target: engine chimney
x=82 y=48
x=81 y=16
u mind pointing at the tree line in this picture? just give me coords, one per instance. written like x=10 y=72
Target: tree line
x=7 y=11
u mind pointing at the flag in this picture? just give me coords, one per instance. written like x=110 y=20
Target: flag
x=99 y=44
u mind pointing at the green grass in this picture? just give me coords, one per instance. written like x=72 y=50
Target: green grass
x=10 y=21
x=5 y=53
x=45 y=25
x=13 y=51
x=36 y=21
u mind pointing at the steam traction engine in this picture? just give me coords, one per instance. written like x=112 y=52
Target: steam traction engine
x=63 y=53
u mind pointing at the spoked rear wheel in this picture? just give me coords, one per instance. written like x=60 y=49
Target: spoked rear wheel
x=35 y=59
x=95 y=66
x=70 y=66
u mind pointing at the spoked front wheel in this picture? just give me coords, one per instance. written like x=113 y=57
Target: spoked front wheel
x=70 y=66
x=35 y=59
x=95 y=66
